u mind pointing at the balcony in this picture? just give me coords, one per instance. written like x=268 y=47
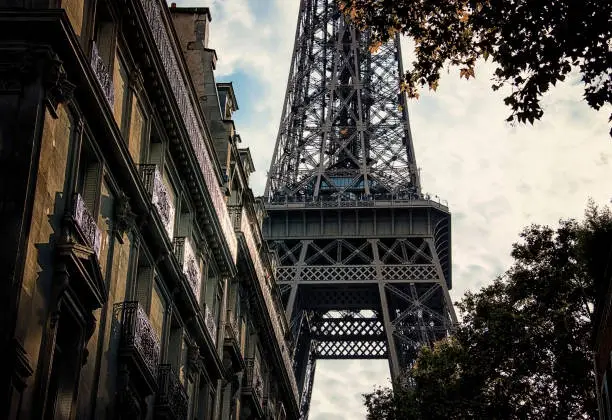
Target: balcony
x=139 y=343
x=273 y=306
x=253 y=384
x=211 y=323
x=160 y=195
x=187 y=258
x=105 y=78
x=86 y=224
x=153 y=10
x=171 y=399
x=231 y=342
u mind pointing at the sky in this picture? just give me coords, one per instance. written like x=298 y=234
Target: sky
x=497 y=178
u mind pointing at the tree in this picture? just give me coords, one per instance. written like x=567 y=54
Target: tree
x=522 y=349
x=533 y=44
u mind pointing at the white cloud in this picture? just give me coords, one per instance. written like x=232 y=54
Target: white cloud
x=497 y=178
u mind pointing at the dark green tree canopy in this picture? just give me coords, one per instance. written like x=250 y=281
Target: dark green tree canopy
x=522 y=349
x=533 y=44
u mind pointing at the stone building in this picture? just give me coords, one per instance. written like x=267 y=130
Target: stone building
x=136 y=283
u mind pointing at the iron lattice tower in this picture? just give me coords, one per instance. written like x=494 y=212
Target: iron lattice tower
x=365 y=258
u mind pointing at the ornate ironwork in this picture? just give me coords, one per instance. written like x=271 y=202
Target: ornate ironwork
x=105 y=78
x=422 y=200
x=138 y=334
x=171 y=395
x=352 y=350
x=358 y=273
x=191 y=268
x=274 y=310
x=254 y=381
x=86 y=224
x=211 y=323
x=231 y=328
x=160 y=195
x=347 y=328
x=188 y=113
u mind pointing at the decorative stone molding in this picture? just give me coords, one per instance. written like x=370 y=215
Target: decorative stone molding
x=90 y=327
x=136 y=81
x=22 y=66
x=21 y=366
x=57 y=87
x=194 y=362
x=125 y=218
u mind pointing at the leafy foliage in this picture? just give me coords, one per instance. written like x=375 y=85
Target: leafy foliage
x=522 y=349
x=533 y=44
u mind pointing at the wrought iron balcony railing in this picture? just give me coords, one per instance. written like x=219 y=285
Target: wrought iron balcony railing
x=187 y=258
x=231 y=327
x=152 y=10
x=160 y=195
x=254 y=381
x=138 y=336
x=274 y=311
x=105 y=78
x=86 y=224
x=171 y=397
x=232 y=341
x=211 y=323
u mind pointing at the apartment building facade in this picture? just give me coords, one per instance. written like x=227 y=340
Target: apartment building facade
x=137 y=284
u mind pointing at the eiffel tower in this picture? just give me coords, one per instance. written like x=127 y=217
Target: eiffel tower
x=365 y=255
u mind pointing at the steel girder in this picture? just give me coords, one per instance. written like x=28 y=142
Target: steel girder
x=365 y=263
x=344 y=127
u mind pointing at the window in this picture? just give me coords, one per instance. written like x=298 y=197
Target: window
x=150 y=296
x=243 y=333
x=103 y=51
x=85 y=202
x=157 y=310
x=65 y=369
x=206 y=400
x=136 y=135
x=89 y=178
x=104 y=34
x=122 y=99
x=156 y=178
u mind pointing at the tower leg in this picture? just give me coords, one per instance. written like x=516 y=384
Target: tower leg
x=291 y=301
x=394 y=363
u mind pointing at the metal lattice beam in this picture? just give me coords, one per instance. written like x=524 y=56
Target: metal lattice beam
x=344 y=127
x=365 y=257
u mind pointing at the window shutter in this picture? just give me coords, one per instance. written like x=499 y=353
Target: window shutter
x=157 y=154
x=143 y=287
x=157 y=312
x=184 y=224
x=91 y=187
